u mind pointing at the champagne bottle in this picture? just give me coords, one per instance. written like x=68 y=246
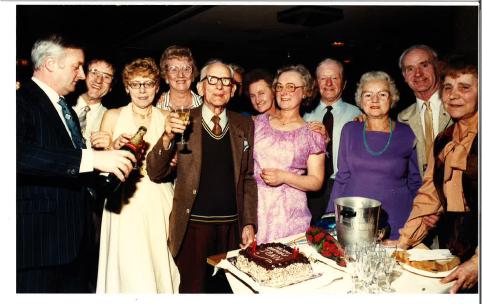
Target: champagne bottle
x=110 y=183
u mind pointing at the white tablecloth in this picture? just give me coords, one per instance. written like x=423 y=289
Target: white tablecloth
x=332 y=280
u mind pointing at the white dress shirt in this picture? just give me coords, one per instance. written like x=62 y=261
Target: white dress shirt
x=435 y=104
x=207 y=114
x=87 y=160
x=342 y=113
x=94 y=117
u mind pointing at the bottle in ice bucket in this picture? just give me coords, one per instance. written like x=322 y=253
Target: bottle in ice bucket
x=110 y=183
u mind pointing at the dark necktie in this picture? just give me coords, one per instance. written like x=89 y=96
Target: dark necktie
x=217 y=127
x=74 y=129
x=83 y=119
x=328 y=123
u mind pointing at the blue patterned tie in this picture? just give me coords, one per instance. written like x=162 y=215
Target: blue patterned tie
x=74 y=129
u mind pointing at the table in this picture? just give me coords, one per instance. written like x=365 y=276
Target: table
x=333 y=281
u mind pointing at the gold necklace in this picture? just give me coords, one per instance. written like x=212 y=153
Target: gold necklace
x=142 y=116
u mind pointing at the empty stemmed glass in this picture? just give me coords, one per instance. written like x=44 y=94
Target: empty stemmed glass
x=351 y=257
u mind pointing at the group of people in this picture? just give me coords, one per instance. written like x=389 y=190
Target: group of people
x=237 y=178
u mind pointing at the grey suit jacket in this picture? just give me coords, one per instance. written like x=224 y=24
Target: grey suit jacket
x=188 y=172
x=411 y=117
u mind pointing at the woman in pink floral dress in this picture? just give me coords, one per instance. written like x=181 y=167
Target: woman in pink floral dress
x=284 y=150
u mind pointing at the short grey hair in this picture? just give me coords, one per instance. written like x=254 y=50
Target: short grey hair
x=211 y=62
x=330 y=60
x=53 y=46
x=416 y=47
x=377 y=75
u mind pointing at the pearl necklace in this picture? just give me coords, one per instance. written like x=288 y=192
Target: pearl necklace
x=365 y=143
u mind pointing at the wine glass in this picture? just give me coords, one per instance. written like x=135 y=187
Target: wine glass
x=351 y=257
x=183 y=112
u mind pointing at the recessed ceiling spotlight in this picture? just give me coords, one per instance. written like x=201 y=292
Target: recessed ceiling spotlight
x=346 y=61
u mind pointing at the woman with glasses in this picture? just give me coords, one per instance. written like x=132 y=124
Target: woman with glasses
x=134 y=257
x=377 y=158
x=288 y=158
x=178 y=69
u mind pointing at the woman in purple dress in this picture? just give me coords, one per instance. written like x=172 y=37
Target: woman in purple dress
x=284 y=150
x=377 y=158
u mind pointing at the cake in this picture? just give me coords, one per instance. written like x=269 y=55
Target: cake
x=432 y=266
x=274 y=264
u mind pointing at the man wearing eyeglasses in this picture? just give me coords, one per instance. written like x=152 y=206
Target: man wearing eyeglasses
x=89 y=106
x=215 y=198
x=333 y=112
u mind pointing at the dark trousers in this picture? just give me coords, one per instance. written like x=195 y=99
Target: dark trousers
x=203 y=240
x=318 y=201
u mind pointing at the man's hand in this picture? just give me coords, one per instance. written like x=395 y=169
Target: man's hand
x=118 y=162
x=466 y=275
x=431 y=220
x=247 y=236
x=318 y=127
x=100 y=140
x=360 y=118
x=174 y=125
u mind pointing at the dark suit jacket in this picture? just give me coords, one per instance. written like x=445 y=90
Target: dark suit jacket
x=52 y=204
x=241 y=132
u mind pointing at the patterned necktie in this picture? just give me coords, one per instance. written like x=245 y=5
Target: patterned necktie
x=74 y=129
x=217 y=127
x=83 y=119
x=328 y=123
x=427 y=117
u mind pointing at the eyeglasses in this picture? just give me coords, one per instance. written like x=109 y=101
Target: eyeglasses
x=290 y=87
x=213 y=80
x=106 y=78
x=146 y=85
x=174 y=70
x=382 y=95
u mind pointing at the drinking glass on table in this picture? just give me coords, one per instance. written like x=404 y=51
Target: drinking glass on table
x=352 y=254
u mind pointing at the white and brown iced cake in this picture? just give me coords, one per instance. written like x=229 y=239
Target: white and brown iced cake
x=274 y=264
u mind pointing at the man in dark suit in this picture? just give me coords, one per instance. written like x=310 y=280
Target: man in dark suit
x=215 y=198
x=53 y=168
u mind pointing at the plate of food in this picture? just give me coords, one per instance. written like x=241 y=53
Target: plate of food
x=428 y=268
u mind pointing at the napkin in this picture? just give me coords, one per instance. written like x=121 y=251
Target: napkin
x=426 y=255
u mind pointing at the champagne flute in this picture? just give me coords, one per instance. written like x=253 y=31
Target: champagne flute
x=183 y=112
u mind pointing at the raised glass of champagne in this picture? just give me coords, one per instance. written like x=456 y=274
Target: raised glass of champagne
x=183 y=113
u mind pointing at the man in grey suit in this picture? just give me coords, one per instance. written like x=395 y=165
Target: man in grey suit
x=420 y=68
x=215 y=198
x=54 y=227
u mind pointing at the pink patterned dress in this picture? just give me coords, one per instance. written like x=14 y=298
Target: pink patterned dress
x=282 y=210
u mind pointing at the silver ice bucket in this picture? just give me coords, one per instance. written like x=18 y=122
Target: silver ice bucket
x=356 y=219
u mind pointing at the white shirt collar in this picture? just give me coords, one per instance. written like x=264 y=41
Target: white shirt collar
x=81 y=103
x=207 y=114
x=434 y=101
